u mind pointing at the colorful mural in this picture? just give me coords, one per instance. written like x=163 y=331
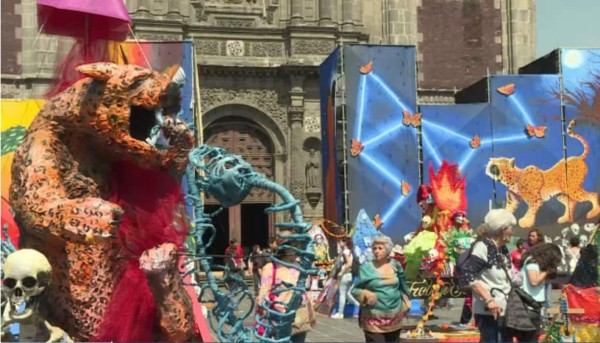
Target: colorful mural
x=377 y=88
x=382 y=120
x=514 y=142
x=17 y=115
x=528 y=146
x=460 y=134
x=580 y=69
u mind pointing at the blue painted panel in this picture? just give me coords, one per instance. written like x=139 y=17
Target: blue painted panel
x=449 y=133
x=519 y=102
x=376 y=99
x=581 y=95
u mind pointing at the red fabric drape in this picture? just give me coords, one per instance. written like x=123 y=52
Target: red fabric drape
x=83 y=52
x=587 y=299
x=152 y=201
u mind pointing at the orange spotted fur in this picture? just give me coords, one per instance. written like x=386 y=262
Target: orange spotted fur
x=60 y=183
x=535 y=186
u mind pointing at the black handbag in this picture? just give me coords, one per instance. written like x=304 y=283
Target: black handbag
x=523 y=311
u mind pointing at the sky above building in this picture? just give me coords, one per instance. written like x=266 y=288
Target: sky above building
x=567 y=24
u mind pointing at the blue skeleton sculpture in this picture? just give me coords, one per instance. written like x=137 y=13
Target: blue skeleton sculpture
x=229 y=179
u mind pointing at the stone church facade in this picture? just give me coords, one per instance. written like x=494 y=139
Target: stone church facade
x=258 y=67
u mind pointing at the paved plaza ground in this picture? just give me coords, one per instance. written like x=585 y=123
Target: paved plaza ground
x=347 y=330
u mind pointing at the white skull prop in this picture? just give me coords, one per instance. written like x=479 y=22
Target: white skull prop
x=583 y=240
x=426 y=222
x=564 y=232
x=27 y=273
x=589 y=227
x=575 y=229
x=433 y=253
x=459 y=218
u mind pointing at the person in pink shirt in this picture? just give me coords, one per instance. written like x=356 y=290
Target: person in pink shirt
x=515 y=256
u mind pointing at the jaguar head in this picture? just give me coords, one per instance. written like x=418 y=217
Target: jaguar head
x=133 y=110
x=499 y=168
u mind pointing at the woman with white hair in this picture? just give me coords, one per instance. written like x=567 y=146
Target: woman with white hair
x=381 y=290
x=485 y=272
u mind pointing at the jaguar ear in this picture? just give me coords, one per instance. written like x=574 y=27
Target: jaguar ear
x=99 y=71
x=512 y=162
x=135 y=73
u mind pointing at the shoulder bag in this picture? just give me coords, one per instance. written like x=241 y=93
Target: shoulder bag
x=525 y=311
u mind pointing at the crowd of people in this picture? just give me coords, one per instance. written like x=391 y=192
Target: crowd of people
x=379 y=288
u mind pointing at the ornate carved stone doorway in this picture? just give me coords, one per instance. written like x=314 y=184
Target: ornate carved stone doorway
x=246 y=222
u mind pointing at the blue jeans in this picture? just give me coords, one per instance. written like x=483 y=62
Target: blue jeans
x=490 y=329
x=344 y=288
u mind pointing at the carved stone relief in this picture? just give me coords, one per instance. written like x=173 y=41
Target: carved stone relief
x=234 y=48
x=158 y=36
x=312 y=124
x=207 y=47
x=233 y=2
x=312 y=47
x=235 y=23
x=232 y=13
x=297 y=189
x=267 y=49
x=10 y=91
x=266 y=100
x=270 y=17
x=296 y=113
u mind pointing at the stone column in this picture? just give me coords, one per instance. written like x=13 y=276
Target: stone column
x=174 y=11
x=132 y=6
x=347 y=14
x=518 y=31
x=297 y=14
x=357 y=12
x=144 y=8
x=326 y=10
x=351 y=14
x=296 y=117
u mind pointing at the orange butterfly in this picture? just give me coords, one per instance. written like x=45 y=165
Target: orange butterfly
x=367 y=68
x=356 y=148
x=507 y=90
x=475 y=142
x=406 y=188
x=377 y=221
x=408 y=120
x=538 y=132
